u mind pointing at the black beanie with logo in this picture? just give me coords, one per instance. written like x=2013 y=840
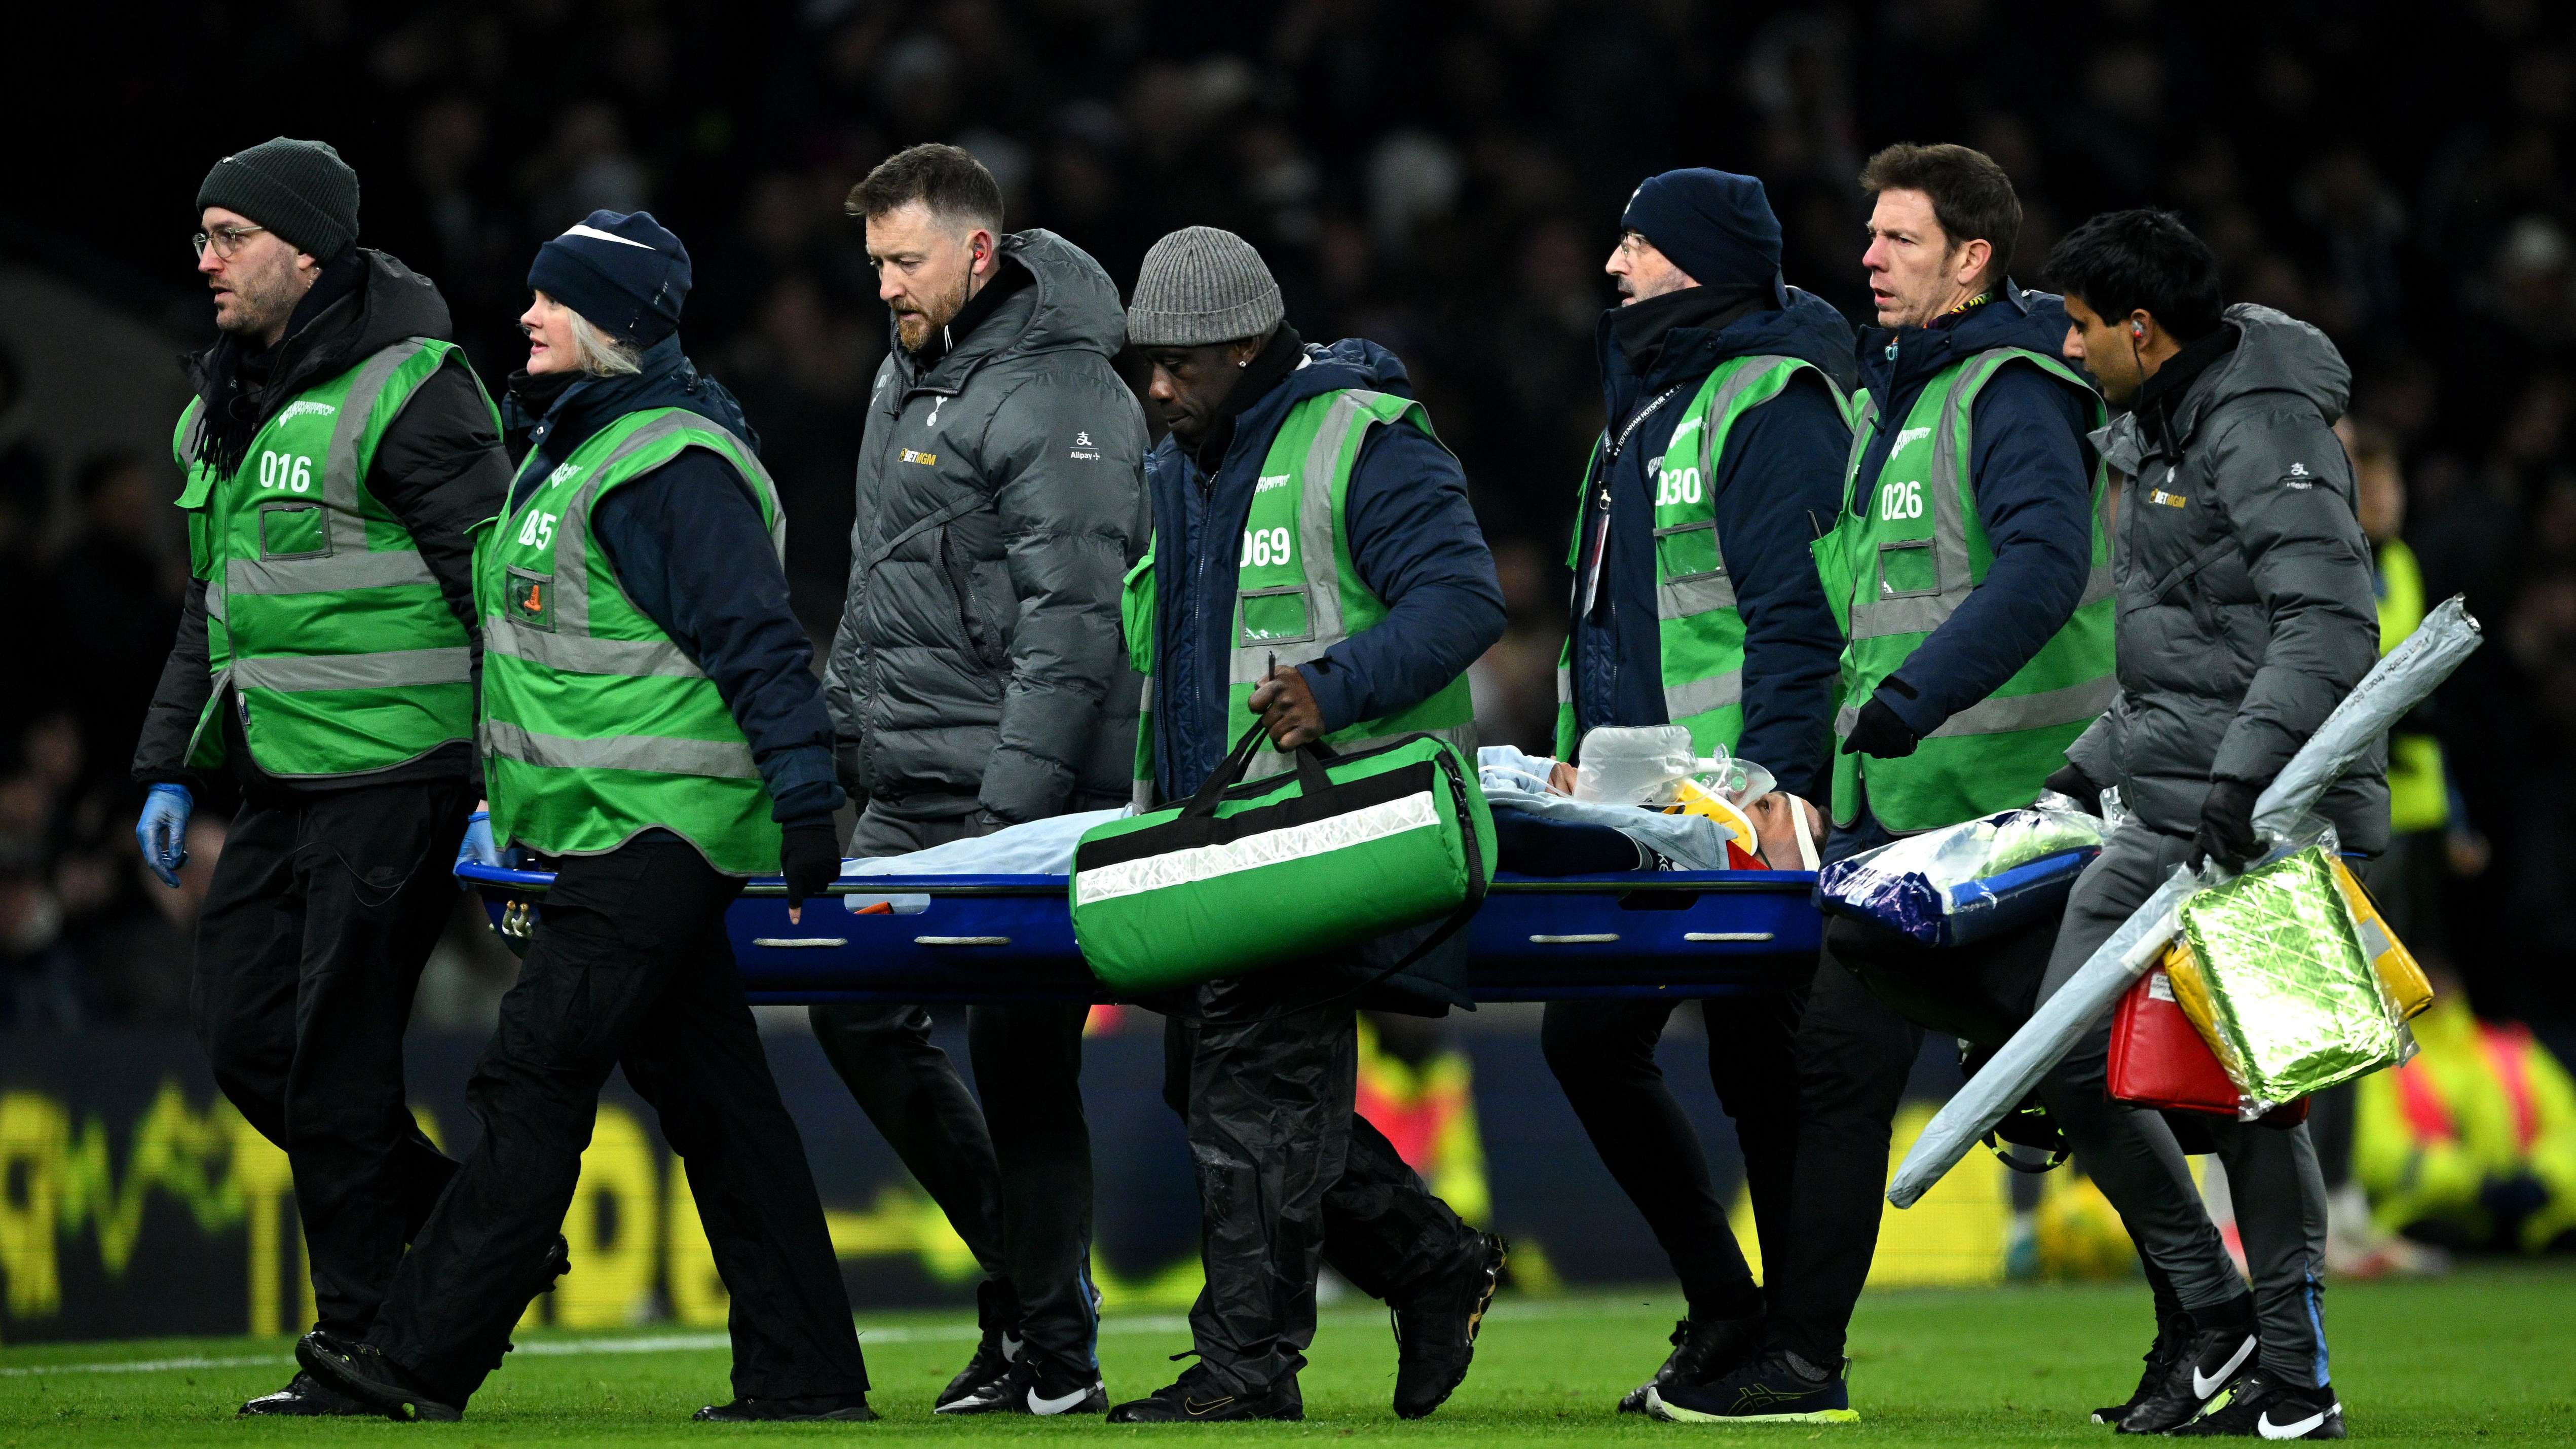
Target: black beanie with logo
x=301 y=190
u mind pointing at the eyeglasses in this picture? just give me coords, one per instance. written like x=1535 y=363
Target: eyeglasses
x=227 y=240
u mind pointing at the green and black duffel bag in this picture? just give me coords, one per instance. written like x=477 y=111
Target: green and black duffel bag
x=1317 y=860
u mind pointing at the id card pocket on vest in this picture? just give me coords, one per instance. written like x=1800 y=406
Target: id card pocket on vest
x=530 y=598
x=1274 y=616
x=1908 y=568
x=291 y=528
x=1688 y=551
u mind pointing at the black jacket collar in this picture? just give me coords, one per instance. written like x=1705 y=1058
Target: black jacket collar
x=1268 y=368
x=2162 y=394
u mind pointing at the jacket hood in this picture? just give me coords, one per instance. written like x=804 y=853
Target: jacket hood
x=1809 y=329
x=550 y=424
x=391 y=302
x=2014 y=318
x=2274 y=353
x=1351 y=362
x=1070 y=303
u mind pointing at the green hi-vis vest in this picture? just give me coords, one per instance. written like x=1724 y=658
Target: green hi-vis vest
x=2419 y=792
x=1897 y=568
x=1297 y=593
x=596 y=725
x=322 y=620
x=1702 y=635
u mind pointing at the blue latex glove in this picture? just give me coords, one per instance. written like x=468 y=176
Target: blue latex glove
x=162 y=833
x=477 y=847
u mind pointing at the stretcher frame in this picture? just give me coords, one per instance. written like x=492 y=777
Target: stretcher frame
x=1669 y=934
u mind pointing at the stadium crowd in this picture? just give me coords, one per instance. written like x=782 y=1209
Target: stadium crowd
x=1434 y=176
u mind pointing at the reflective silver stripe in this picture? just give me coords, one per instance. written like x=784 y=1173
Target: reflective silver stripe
x=193 y=434
x=1271 y=762
x=1699 y=696
x=1142 y=795
x=2075 y=704
x=718 y=759
x=215 y=602
x=584 y=654
x=326 y=574
x=1248 y=663
x=1691 y=594
x=348 y=523
x=1873 y=617
x=394 y=669
x=572 y=528
x=1564 y=685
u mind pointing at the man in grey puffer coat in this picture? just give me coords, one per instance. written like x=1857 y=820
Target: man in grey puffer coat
x=979 y=680
x=2246 y=614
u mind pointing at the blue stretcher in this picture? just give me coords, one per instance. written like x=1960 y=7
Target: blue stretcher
x=1010 y=937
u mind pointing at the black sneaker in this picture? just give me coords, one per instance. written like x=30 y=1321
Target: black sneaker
x=2258 y=1405
x=817 y=1409
x=997 y=1309
x=1196 y=1400
x=1772 y=1389
x=380 y=1385
x=2171 y=1335
x=1024 y=1390
x=1435 y=1333
x=1703 y=1349
x=2207 y=1361
x=304 y=1397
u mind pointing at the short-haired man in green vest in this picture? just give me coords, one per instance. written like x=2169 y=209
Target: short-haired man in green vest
x=336 y=453
x=1316 y=565
x=1969 y=567
x=652 y=727
x=1696 y=603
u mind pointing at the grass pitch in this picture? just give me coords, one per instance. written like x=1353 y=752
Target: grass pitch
x=2487 y=1357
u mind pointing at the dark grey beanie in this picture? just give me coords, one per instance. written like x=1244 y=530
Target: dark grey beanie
x=1201 y=285
x=300 y=190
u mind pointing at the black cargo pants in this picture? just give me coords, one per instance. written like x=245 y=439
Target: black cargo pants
x=630 y=967
x=322 y=911
x=1266 y=1076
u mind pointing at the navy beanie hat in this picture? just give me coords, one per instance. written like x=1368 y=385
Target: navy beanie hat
x=1715 y=225
x=621 y=271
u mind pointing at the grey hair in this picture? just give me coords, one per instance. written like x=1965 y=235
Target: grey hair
x=598 y=354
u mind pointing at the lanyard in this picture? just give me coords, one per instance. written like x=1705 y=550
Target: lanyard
x=1597 y=536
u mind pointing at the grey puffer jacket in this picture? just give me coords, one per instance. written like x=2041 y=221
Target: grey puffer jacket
x=1001 y=500
x=2246 y=609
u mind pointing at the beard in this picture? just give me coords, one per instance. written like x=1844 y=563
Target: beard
x=261 y=298
x=913 y=327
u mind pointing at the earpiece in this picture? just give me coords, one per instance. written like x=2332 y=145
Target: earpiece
x=2138 y=330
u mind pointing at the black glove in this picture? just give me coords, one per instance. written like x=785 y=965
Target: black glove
x=809 y=855
x=2075 y=785
x=2227 y=826
x=1879 y=732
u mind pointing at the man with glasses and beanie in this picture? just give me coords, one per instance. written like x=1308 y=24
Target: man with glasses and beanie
x=1273 y=440
x=1696 y=604
x=336 y=453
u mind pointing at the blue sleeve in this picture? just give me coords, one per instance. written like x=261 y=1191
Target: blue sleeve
x=1415 y=542
x=2034 y=485
x=688 y=545
x=1778 y=486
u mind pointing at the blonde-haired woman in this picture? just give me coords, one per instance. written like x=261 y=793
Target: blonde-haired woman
x=650 y=727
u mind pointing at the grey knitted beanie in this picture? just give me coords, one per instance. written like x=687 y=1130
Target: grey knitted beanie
x=1201 y=285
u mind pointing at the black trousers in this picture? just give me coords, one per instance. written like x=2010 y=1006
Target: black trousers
x=1289 y=1174
x=629 y=967
x=320 y=916
x=1013 y=1175
x=1603 y=1055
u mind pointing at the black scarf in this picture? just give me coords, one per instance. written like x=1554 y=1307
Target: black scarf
x=1268 y=368
x=2162 y=392
x=1640 y=328
x=234 y=374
